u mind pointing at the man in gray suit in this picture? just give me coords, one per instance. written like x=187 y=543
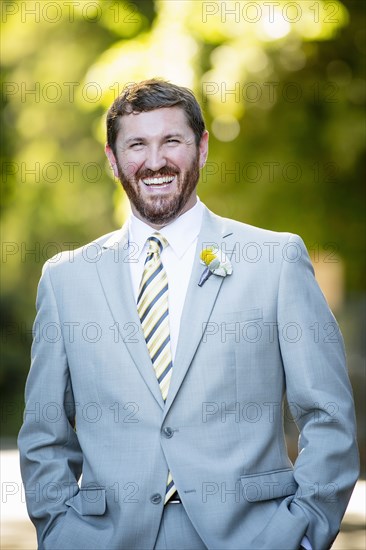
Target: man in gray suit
x=161 y=356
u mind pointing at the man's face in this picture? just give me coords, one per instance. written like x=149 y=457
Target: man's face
x=157 y=161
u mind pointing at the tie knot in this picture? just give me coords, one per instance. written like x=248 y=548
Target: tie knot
x=157 y=243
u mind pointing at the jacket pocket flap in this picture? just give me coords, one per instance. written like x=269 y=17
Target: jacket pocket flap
x=244 y=316
x=269 y=485
x=88 y=501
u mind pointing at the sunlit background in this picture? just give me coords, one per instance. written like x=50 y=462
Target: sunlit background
x=282 y=85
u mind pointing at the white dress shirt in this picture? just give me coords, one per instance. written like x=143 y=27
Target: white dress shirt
x=177 y=259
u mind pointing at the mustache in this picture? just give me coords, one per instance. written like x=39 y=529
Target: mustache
x=163 y=171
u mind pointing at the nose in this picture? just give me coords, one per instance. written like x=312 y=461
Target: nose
x=155 y=159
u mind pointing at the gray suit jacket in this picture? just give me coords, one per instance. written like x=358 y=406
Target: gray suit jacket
x=94 y=408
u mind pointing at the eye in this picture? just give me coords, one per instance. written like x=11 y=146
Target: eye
x=136 y=145
x=172 y=140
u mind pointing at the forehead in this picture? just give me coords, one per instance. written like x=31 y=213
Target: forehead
x=156 y=123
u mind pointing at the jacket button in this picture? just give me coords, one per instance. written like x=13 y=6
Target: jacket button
x=156 y=499
x=168 y=432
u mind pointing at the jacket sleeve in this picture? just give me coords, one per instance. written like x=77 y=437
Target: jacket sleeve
x=50 y=455
x=319 y=396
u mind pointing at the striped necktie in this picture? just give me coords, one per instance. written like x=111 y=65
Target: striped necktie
x=152 y=307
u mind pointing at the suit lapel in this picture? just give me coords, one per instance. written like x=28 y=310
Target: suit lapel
x=114 y=274
x=197 y=306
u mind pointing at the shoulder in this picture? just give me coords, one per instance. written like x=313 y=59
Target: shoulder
x=256 y=243
x=82 y=257
x=248 y=233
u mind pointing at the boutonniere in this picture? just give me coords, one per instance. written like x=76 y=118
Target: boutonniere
x=216 y=263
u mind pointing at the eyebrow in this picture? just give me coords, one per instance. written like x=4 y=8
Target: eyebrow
x=177 y=134
x=167 y=136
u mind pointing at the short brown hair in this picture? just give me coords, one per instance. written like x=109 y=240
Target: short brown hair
x=149 y=95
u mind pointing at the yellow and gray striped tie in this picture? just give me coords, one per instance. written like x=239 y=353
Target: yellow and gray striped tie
x=152 y=307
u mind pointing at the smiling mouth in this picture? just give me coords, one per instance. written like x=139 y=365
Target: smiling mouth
x=157 y=181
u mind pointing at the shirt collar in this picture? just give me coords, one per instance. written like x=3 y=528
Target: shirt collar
x=180 y=233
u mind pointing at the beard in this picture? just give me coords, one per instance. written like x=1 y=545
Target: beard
x=160 y=210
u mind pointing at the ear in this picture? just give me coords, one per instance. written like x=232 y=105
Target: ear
x=112 y=160
x=203 y=149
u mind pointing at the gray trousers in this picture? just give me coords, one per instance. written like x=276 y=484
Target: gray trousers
x=176 y=531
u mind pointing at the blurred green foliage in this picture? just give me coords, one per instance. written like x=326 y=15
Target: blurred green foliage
x=283 y=94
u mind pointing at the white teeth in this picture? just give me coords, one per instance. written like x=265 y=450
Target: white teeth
x=158 y=181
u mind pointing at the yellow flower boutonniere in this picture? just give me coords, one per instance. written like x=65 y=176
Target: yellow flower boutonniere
x=216 y=263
